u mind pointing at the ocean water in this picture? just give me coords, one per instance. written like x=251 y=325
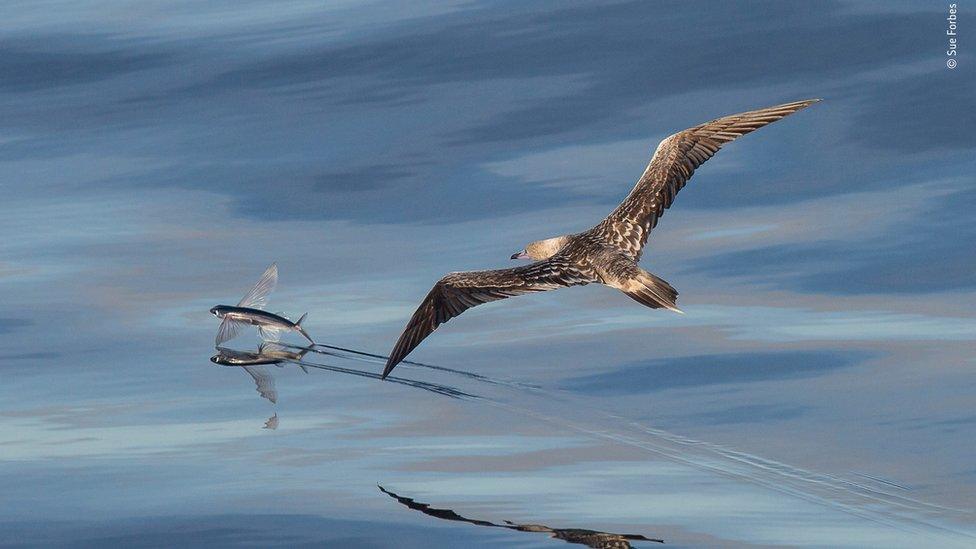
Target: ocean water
x=155 y=157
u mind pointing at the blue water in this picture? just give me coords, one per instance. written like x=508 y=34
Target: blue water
x=155 y=158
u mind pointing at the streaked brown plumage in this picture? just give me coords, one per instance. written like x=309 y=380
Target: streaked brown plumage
x=608 y=253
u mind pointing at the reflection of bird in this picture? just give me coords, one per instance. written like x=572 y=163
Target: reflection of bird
x=272 y=422
x=589 y=538
x=249 y=311
x=608 y=253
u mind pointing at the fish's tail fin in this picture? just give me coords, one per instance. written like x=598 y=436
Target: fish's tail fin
x=298 y=326
x=652 y=291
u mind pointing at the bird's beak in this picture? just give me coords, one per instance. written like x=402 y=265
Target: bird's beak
x=520 y=255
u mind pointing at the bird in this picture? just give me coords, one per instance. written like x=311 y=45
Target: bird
x=250 y=311
x=606 y=254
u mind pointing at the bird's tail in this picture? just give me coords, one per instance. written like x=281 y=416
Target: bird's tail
x=652 y=291
x=298 y=326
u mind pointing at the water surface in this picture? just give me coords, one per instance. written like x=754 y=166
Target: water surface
x=155 y=158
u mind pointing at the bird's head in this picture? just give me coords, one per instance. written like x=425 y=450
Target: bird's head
x=542 y=249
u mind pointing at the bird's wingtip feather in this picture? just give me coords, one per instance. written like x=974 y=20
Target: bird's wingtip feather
x=389 y=368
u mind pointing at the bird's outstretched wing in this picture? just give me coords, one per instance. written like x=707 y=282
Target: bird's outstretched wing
x=672 y=165
x=458 y=292
x=257 y=297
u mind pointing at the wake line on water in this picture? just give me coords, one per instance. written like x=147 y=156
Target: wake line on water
x=352 y=354
x=873 y=503
x=445 y=390
x=899 y=512
x=877 y=505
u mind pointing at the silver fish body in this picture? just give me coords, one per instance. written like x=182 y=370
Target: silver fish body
x=250 y=312
x=255 y=317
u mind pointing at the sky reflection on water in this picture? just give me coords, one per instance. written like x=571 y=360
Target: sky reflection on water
x=156 y=157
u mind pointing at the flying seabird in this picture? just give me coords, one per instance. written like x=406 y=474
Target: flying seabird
x=607 y=253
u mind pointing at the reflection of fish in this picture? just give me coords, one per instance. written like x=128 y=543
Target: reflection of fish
x=283 y=354
x=272 y=422
x=252 y=362
x=264 y=382
x=607 y=253
x=249 y=312
x=267 y=353
x=581 y=536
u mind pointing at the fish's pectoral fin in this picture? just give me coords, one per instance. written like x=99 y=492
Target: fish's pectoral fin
x=271 y=347
x=264 y=383
x=257 y=297
x=228 y=329
x=270 y=333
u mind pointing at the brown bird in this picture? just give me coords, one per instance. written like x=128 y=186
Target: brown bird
x=608 y=253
